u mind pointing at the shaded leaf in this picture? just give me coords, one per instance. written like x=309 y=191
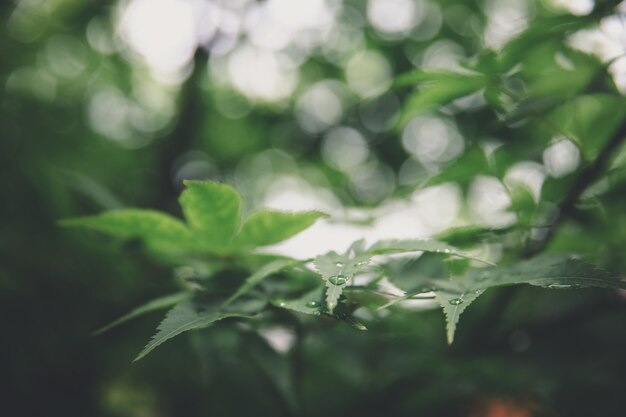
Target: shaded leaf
x=311 y=303
x=469 y=235
x=153 y=305
x=439 y=93
x=184 y=317
x=590 y=120
x=258 y=276
x=463 y=170
x=532 y=108
x=549 y=271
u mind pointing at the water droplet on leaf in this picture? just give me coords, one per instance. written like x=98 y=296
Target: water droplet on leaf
x=446 y=250
x=456 y=301
x=312 y=304
x=339 y=264
x=338 y=280
x=563 y=286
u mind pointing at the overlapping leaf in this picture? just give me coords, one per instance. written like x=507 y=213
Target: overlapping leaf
x=311 y=303
x=153 y=305
x=213 y=224
x=548 y=271
x=337 y=269
x=212 y=210
x=438 y=91
x=184 y=317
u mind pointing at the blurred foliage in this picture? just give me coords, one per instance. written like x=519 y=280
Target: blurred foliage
x=497 y=128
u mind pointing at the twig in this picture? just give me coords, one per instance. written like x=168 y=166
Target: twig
x=584 y=179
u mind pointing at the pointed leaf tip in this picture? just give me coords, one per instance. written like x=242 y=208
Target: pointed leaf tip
x=212 y=210
x=184 y=317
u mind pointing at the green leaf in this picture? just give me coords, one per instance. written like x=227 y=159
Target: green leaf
x=310 y=303
x=454 y=304
x=549 y=271
x=439 y=93
x=184 y=317
x=154 y=305
x=532 y=108
x=463 y=170
x=414 y=77
x=348 y=264
x=333 y=292
x=262 y=273
x=336 y=270
x=266 y=227
x=159 y=231
x=591 y=120
x=213 y=210
x=469 y=235
x=418 y=275
x=399 y=246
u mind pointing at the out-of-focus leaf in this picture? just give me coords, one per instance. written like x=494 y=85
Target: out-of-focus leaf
x=463 y=170
x=153 y=305
x=420 y=76
x=522 y=203
x=94 y=190
x=591 y=120
x=184 y=317
x=469 y=235
x=556 y=71
x=158 y=230
x=555 y=29
x=532 y=108
x=266 y=227
x=213 y=210
x=438 y=93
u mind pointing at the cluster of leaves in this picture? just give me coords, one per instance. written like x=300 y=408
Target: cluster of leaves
x=533 y=91
x=338 y=286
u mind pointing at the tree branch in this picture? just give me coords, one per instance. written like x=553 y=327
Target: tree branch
x=181 y=136
x=586 y=176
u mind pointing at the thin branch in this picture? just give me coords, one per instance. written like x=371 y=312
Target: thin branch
x=586 y=176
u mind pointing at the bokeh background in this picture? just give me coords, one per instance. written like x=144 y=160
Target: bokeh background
x=110 y=104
